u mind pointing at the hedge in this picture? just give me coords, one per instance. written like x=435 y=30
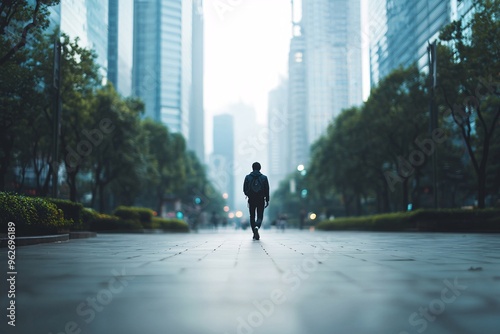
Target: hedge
x=72 y=211
x=107 y=223
x=443 y=220
x=170 y=225
x=32 y=215
x=440 y=220
x=143 y=215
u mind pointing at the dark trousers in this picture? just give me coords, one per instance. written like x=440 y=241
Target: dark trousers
x=256 y=204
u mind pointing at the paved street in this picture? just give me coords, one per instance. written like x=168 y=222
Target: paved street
x=293 y=283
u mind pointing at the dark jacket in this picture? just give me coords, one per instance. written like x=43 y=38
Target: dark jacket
x=265 y=184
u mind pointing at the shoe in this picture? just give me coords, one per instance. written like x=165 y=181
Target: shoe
x=256 y=233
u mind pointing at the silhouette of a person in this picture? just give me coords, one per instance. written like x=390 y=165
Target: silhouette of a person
x=256 y=189
x=214 y=220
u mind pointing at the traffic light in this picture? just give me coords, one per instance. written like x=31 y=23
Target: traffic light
x=197 y=200
x=179 y=215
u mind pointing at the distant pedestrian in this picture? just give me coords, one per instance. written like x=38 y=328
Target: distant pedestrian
x=256 y=189
x=281 y=225
x=214 y=220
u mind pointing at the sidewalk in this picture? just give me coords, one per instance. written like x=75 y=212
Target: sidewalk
x=42 y=239
x=292 y=282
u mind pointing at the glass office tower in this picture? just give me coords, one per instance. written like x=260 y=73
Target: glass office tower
x=120 y=47
x=400 y=31
x=87 y=20
x=162 y=61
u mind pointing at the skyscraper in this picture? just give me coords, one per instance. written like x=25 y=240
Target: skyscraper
x=401 y=30
x=120 y=45
x=298 y=142
x=332 y=54
x=87 y=20
x=279 y=131
x=222 y=159
x=196 y=141
x=162 y=61
x=250 y=145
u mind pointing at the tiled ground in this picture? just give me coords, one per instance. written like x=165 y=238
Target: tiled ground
x=293 y=282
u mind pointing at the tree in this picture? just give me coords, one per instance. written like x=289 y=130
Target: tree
x=470 y=84
x=364 y=145
x=397 y=115
x=165 y=154
x=112 y=136
x=19 y=19
x=20 y=98
x=80 y=79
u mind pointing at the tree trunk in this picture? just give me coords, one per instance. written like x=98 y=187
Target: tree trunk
x=384 y=194
x=359 y=210
x=7 y=145
x=45 y=189
x=102 y=205
x=160 y=203
x=71 y=181
x=405 y=194
x=481 y=188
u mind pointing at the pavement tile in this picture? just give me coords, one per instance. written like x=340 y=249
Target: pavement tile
x=293 y=282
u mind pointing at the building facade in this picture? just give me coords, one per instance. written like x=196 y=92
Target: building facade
x=298 y=142
x=120 y=45
x=86 y=20
x=196 y=141
x=401 y=31
x=222 y=159
x=279 y=126
x=333 y=60
x=162 y=60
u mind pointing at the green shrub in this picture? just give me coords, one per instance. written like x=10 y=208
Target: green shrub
x=143 y=215
x=102 y=222
x=32 y=215
x=442 y=220
x=72 y=211
x=88 y=215
x=170 y=224
x=450 y=220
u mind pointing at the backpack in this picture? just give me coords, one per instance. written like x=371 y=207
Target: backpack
x=256 y=186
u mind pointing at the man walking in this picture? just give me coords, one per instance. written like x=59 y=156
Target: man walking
x=256 y=189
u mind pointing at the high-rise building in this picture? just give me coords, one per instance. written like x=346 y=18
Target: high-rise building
x=401 y=31
x=120 y=45
x=196 y=141
x=298 y=142
x=332 y=54
x=87 y=20
x=278 y=134
x=250 y=145
x=222 y=159
x=162 y=60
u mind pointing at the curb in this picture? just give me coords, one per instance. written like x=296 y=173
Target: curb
x=43 y=239
x=82 y=234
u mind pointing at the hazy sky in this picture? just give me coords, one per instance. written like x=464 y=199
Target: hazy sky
x=246 y=53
